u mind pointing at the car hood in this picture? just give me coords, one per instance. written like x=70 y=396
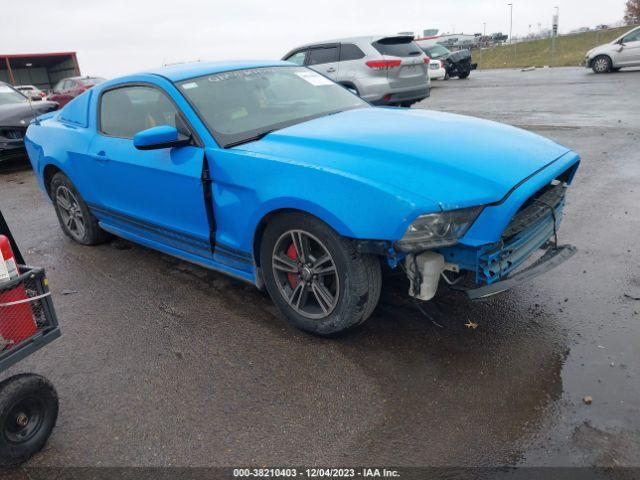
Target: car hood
x=424 y=156
x=20 y=114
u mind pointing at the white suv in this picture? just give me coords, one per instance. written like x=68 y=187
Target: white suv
x=382 y=70
x=623 y=52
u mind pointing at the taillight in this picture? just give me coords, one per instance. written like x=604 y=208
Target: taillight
x=427 y=60
x=441 y=64
x=383 y=64
x=42 y=94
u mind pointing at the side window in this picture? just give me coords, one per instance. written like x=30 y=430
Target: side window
x=348 y=51
x=68 y=85
x=632 y=37
x=128 y=110
x=298 y=57
x=58 y=86
x=318 y=56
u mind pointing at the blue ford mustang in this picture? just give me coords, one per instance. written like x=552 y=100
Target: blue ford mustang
x=273 y=174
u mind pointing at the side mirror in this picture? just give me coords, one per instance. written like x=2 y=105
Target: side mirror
x=156 y=138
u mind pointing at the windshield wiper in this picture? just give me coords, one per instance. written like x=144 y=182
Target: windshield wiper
x=250 y=139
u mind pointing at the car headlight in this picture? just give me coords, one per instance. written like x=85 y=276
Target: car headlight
x=438 y=229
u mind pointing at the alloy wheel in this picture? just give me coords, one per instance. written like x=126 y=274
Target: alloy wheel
x=601 y=65
x=306 y=274
x=70 y=212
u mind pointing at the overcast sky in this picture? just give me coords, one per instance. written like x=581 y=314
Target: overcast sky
x=114 y=37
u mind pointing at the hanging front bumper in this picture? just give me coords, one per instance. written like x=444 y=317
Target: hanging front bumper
x=552 y=257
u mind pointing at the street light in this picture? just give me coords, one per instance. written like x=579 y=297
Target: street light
x=511 y=24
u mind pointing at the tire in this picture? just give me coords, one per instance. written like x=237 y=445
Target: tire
x=601 y=64
x=464 y=75
x=406 y=104
x=77 y=222
x=352 y=280
x=615 y=70
x=28 y=413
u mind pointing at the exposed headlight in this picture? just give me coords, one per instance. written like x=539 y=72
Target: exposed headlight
x=438 y=229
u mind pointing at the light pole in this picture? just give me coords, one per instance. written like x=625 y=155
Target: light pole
x=483 y=39
x=511 y=32
x=511 y=24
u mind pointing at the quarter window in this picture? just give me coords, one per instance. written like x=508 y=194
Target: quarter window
x=128 y=110
x=318 y=56
x=298 y=58
x=349 y=51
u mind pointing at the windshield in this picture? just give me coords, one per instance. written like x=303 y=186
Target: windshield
x=91 y=81
x=436 y=51
x=241 y=105
x=8 y=96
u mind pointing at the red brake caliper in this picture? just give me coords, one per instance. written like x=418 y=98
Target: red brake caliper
x=292 y=277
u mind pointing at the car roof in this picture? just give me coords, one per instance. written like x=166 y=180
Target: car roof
x=360 y=39
x=184 y=71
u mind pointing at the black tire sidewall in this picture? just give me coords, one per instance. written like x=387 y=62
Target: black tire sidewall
x=342 y=317
x=14 y=389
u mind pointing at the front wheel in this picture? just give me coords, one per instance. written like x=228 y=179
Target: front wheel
x=317 y=279
x=601 y=64
x=28 y=413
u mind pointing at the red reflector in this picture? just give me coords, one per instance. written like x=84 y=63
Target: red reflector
x=382 y=64
x=427 y=59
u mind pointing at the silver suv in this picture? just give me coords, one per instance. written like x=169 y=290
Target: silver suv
x=382 y=70
x=624 y=51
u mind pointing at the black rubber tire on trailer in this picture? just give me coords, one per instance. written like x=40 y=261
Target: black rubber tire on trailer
x=358 y=278
x=601 y=64
x=28 y=413
x=90 y=233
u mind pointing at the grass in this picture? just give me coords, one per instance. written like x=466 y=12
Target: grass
x=570 y=50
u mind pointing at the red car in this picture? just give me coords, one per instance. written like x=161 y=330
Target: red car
x=69 y=88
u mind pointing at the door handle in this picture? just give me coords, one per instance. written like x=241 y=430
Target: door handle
x=331 y=70
x=101 y=156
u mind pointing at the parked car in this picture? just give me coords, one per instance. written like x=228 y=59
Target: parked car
x=437 y=70
x=31 y=91
x=16 y=111
x=69 y=88
x=623 y=52
x=275 y=175
x=457 y=64
x=381 y=70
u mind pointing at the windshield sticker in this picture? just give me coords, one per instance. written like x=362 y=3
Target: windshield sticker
x=314 y=78
x=190 y=85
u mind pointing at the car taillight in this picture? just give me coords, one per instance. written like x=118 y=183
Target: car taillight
x=441 y=64
x=383 y=64
x=42 y=94
x=427 y=60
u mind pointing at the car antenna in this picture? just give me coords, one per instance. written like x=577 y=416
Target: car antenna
x=35 y=117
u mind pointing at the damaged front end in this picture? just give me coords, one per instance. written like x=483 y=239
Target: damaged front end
x=487 y=269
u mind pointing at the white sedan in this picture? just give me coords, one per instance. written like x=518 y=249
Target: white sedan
x=437 y=70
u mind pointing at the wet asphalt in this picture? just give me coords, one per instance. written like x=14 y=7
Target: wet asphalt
x=165 y=363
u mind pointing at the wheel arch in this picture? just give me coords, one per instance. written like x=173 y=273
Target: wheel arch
x=313 y=211
x=48 y=173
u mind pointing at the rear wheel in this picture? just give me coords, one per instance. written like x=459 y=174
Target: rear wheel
x=76 y=220
x=406 y=104
x=316 y=278
x=28 y=413
x=464 y=75
x=601 y=64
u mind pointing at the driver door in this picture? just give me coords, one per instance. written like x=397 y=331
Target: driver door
x=630 y=53
x=152 y=195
